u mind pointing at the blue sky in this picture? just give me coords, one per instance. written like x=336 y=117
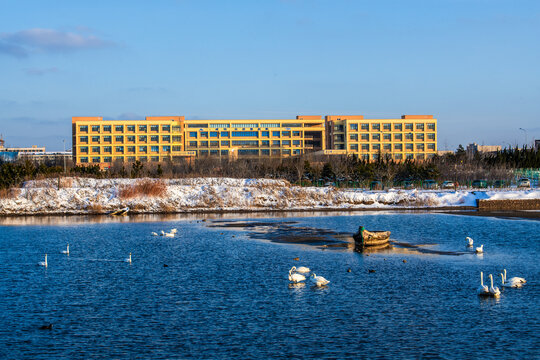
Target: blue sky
x=474 y=64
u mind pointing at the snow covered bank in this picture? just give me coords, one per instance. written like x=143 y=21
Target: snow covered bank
x=91 y=196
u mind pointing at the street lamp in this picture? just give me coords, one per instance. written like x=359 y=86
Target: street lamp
x=525 y=131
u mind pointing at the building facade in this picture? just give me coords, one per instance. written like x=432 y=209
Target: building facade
x=155 y=139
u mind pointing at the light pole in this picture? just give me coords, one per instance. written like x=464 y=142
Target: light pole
x=64 y=155
x=525 y=131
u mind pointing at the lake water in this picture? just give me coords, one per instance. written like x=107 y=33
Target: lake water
x=226 y=295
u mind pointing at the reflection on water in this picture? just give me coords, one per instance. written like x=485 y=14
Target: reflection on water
x=225 y=291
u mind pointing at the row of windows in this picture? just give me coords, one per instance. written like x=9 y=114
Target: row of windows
x=388 y=147
x=129 y=128
x=244 y=143
x=387 y=127
x=109 y=159
x=214 y=134
x=128 y=149
x=245 y=125
x=129 y=138
x=388 y=137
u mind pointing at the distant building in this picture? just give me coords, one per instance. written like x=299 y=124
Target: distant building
x=14 y=153
x=537 y=144
x=57 y=157
x=474 y=148
x=444 y=152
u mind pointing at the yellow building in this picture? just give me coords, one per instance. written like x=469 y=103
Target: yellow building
x=156 y=139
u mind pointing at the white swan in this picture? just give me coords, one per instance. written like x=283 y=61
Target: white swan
x=295 y=278
x=43 y=263
x=470 y=242
x=128 y=260
x=154 y=233
x=514 y=280
x=169 y=234
x=480 y=249
x=510 y=285
x=482 y=290
x=319 y=280
x=66 y=251
x=162 y=233
x=174 y=231
x=300 y=269
x=493 y=291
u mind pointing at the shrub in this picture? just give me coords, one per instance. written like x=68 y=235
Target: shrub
x=143 y=188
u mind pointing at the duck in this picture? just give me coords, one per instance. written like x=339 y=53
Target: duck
x=480 y=249
x=43 y=263
x=470 y=242
x=154 y=233
x=301 y=269
x=319 y=280
x=128 y=260
x=514 y=280
x=482 y=290
x=493 y=291
x=66 y=251
x=296 y=278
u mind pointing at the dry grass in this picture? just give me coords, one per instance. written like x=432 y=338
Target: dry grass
x=95 y=208
x=9 y=193
x=143 y=188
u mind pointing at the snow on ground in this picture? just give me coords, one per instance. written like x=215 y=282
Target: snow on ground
x=88 y=196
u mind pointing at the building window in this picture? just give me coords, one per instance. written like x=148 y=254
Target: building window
x=154 y=128
x=166 y=148
x=275 y=142
x=431 y=126
x=265 y=133
x=176 y=129
x=275 y=133
x=197 y=126
x=154 y=158
x=409 y=156
x=387 y=127
x=224 y=152
x=154 y=138
x=265 y=152
x=431 y=146
x=154 y=149
x=166 y=128
x=107 y=159
x=119 y=158
x=119 y=149
x=387 y=137
x=95 y=139
x=84 y=159
x=420 y=137
x=131 y=158
x=142 y=138
x=271 y=125
x=203 y=152
x=376 y=127
x=142 y=128
x=354 y=147
x=131 y=138
x=409 y=147
x=252 y=152
x=276 y=152
x=365 y=157
x=398 y=137
x=398 y=147
x=95 y=128
x=408 y=136
x=214 y=143
x=219 y=125
x=193 y=144
x=376 y=147
x=107 y=149
x=142 y=149
x=431 y=136
x=296 y=133
x=286 y=143
x=265 y=143
x=214 y=134
x=83 y=139
x=119 y=128
x=364 y=137
x=225 y=143
x=286 y=133
x=420 y=147
x=193 y=134
x=84 y=128
x=296 y=142
x=365 y=127
x=387 y=147
x=353 y=127
x=375 y=156
x=84 y=149
x=203 y=144
x=397 y=127
x=204 y=134
x=177 y=139
x=376 y=137
x=420 y=156
x=143 y=159
x=245 y=125
x=398 y=156
x=353 y=137
x=224 y=134
x=176 y=148
x=131 y=128
x=107 y=128
x=420 y=127
x=409 y=126
x=107 y=139
x=244 y=133
x=96 y=159
x=131 y=149
x=365 y=147
x=245 y=143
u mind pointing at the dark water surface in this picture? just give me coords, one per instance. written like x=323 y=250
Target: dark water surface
x=225 y=294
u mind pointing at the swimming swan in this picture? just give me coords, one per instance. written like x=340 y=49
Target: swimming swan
x=470 y=241
x=514 y=280
x=482 y=290
x=480 y=249
x=300 y=269
x=169 y=234
x=154 y=233
x=174 y=231
x=319 y=280
x=43 y=263
x=66 y=251
x=493 y=291
x=296 y=278
x=128 y=260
